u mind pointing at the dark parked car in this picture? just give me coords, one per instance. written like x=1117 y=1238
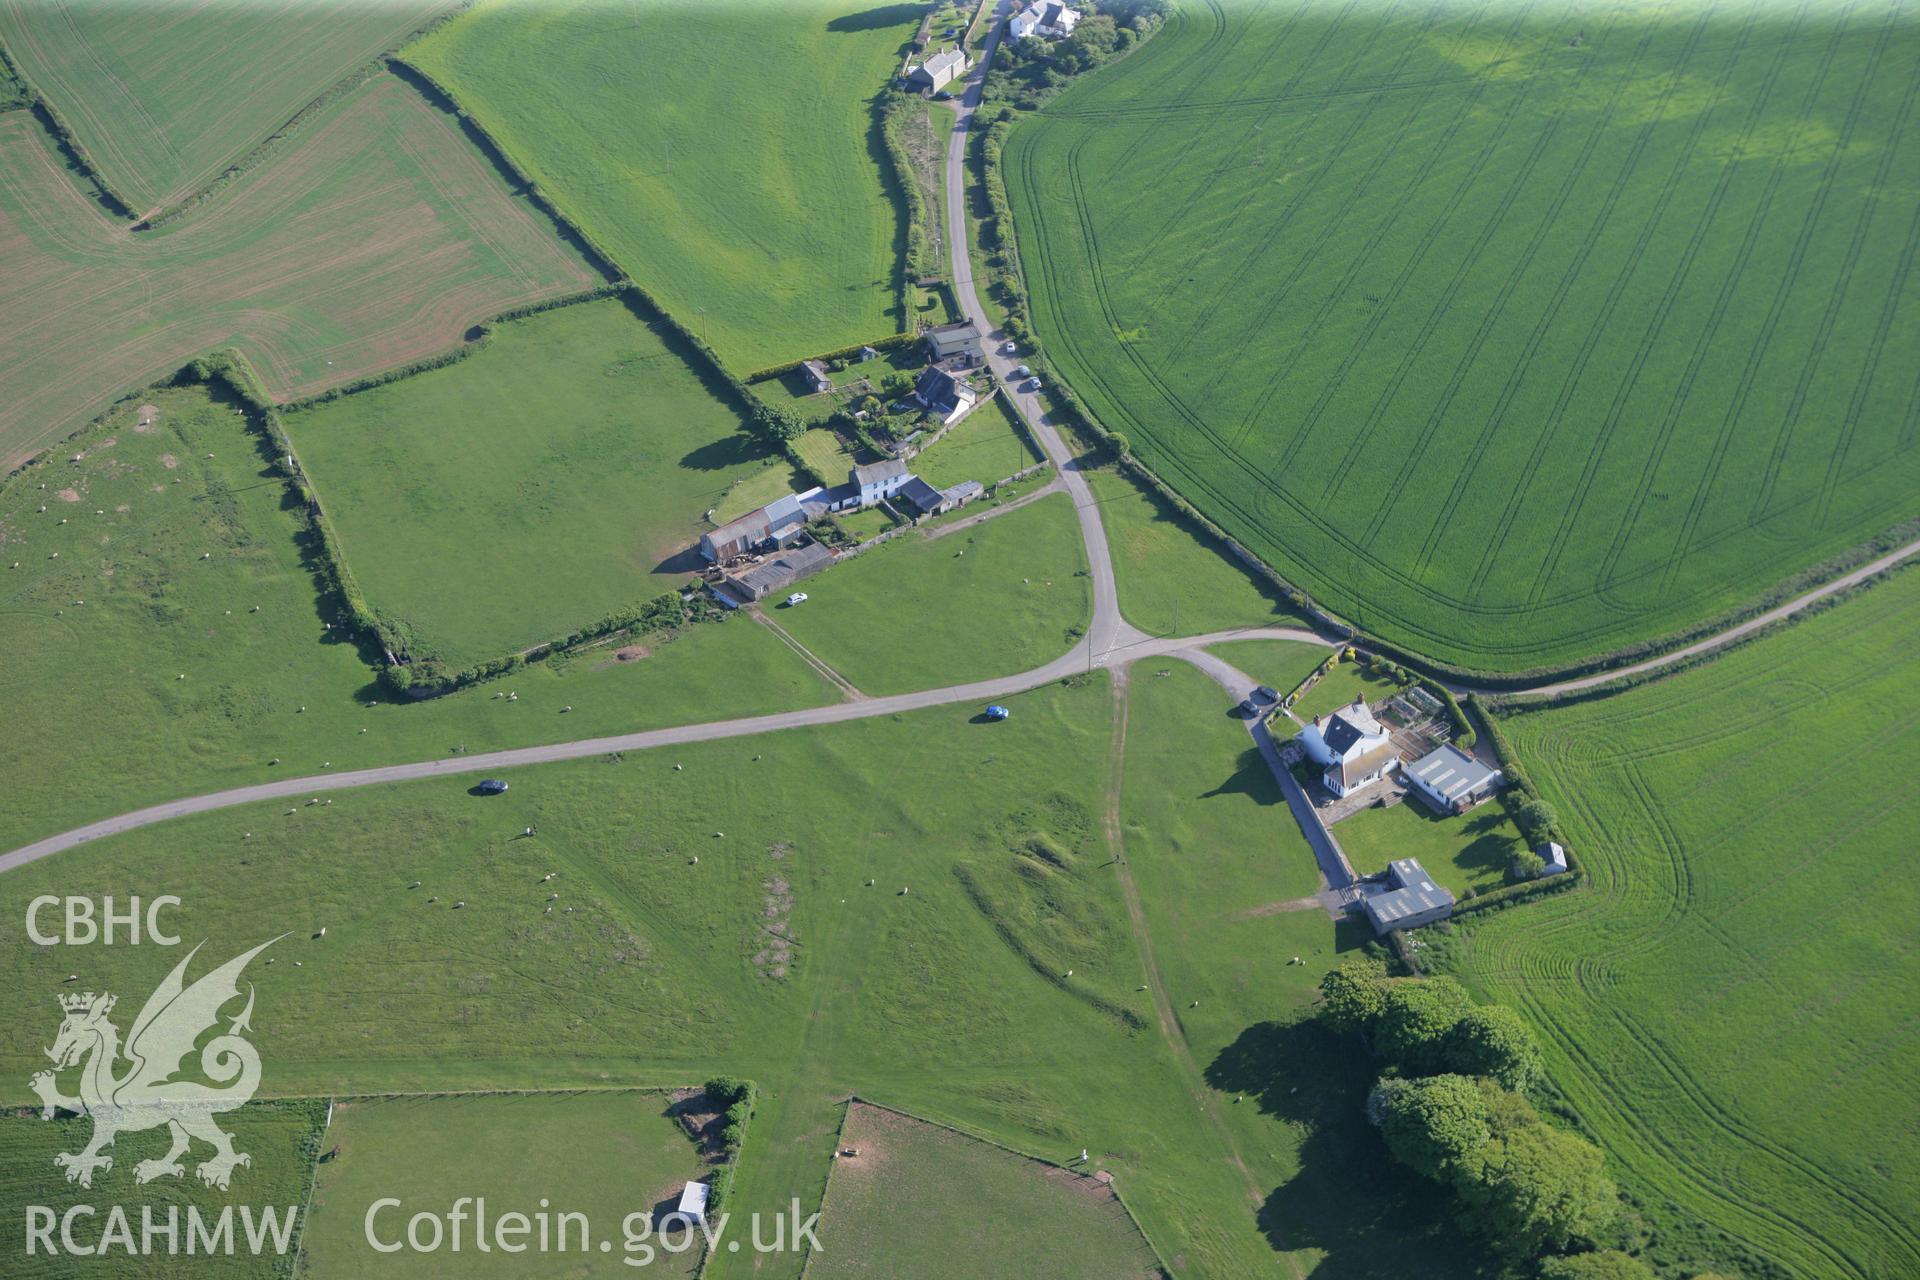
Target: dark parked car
x=492 y=787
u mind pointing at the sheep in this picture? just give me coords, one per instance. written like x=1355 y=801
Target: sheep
x=546 y=877
x=553 y=897
x=904 y=891
x=414 y=885
x=1069 y=973
x=696 y=859
x=566 y=708
x=322 y=933
x=363 y=731
x=458 y=905
x=73 y=977
x=719 y=835
x=435 y=898
x=297 y=964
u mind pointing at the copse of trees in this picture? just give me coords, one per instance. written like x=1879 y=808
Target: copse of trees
x=1609 y=1264
x=1449 y=1107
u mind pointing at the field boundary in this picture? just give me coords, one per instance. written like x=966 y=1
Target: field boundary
x=66 y=142
x=263 y=149
x=962 y=1131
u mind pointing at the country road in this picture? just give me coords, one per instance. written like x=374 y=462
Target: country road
x=1110 y=640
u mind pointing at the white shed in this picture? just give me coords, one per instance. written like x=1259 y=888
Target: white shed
x=693 y=1203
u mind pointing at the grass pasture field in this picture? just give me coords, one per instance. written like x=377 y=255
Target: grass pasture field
x=551 y=478
x=377 y=237
x=605 y=1154
x=644 y=119
x=1515 y=333
x=1461 y=851
x=988 y=444
x=919 y=612
x=661 y=972
x=1728 y=1006
x=165 y=98
x=922 y=1200
x=1170 y=580
x=277 y=1137
x=117 y=603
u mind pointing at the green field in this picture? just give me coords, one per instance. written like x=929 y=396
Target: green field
x=1514 y=333
x=376 y=237
x=921 y=612
x=1171 y=580
x=824 y=454
x=1280 y=664
x=602 y=1154
x=1728 y=1007
x=988 y=444
x=164 y=98
x=278 y=1139
x=1461 y=851
x=922 y=1201
x=554 y=477
x=725 y=155
x=1338 y=688
x=154 y=610
x=950 y=1004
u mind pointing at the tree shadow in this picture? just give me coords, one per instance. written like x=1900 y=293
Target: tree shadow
x=727 y=451
x=685 y=560
x=1367 y=1215
x=887 y=15
x=1250 y=778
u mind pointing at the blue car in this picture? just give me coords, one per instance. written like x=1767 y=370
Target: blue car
x=997 y=712
x=492 y=787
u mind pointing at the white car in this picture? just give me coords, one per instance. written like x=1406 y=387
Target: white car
x=798 y=597
x=1033 y=384
x=1011 y=349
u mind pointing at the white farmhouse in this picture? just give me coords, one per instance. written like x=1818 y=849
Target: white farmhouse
x=1350 y=745
x=880 y=480
x=1047 y=19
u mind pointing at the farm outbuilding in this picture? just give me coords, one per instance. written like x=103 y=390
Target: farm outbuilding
x=1411 y=900
x=775 y=524
x=781 y=572
x=945 y=341
x=1554 y=856
x=1451 y=780
x=940 y=70
x=815 y=372
x=693 y=1203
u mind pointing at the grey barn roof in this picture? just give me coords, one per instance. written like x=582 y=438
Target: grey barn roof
x=1414 y=892
x=922 y=495
x=1451 y=773
x=783 y=570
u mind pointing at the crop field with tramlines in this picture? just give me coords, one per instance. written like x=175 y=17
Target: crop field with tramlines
x=723 y=155
x=164 y=99
x=377 y=236
x=1515 y=332
x=1728 y=1008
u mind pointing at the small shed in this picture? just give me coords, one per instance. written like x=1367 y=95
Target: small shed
x=693 y=1203
x=1554 y=856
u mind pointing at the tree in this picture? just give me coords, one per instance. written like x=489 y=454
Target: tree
x=1535 y=1189
x=1492 y=1040
x=1122 y=446
x=1609 y=1265
x=778 y=425
x=1526 y=865
x=1535 y=818
x=1416 y=1017
x=1352 y=995
x=896 y=384
x=1433 y=1125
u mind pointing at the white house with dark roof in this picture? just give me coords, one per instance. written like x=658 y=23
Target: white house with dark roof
x=1048 y=19
x=944 y=394
x=1451 y=780
x=1351 y=747
x=878 y=481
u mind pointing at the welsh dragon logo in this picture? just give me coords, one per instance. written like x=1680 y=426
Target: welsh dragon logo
x=146 y=1094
